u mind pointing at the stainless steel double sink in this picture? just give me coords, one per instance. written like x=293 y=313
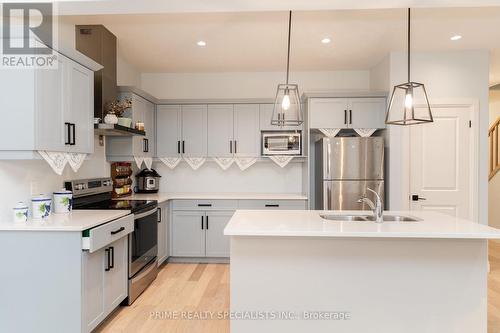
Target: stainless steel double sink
x=368 y=218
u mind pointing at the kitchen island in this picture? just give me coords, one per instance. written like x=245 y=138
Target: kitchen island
x=294 y=271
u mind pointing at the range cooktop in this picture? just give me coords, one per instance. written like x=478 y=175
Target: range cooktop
x=132 y=205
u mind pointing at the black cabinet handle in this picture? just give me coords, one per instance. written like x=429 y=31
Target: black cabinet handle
x=231 y=146
x=350 y=116
x=73 y=142
x=202 y=223
x=147 y=145
x=207 y=222
x=183 y=146
x=235 y=146
x=204 y=205
x=272 y=205
x=68 y=132
x=159 y=215
x=117 y=231
x=178 y=147
x=345 y=117
x=112 y=254
x=283 y=117
x=108 y=259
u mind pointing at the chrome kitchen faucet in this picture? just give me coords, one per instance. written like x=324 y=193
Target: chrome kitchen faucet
x=378 y=210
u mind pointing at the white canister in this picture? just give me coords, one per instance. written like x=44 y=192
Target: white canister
x=63 y=201
x=21 y=212
x=41 y=206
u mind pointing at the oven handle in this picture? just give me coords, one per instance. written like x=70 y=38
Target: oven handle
x=149 y=212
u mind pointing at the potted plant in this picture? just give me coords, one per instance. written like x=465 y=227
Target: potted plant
x=116 y=109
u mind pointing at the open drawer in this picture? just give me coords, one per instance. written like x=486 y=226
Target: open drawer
x=98 y=237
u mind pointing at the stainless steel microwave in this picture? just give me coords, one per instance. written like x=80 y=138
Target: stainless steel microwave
x=281 y=142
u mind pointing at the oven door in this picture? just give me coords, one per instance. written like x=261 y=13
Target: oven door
x=143 y=242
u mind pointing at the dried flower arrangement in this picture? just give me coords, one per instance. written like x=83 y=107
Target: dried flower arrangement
x=118 y=107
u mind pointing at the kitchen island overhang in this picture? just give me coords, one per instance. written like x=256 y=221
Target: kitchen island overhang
x=300 y=272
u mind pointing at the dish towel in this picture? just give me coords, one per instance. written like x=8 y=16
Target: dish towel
x=75 y=160
x=330 y=132
x=195 y=162
x=138 y=161
x=282 y=161
x=171 y=162
x=148 y=161
x=245 y=162
x=56 y=160
x=365 y=132
x=224 y=162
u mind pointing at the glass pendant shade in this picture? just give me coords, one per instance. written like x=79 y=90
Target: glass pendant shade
x=409 y=105
x=287 y=109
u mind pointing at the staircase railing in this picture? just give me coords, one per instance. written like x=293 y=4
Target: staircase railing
x=493 y=140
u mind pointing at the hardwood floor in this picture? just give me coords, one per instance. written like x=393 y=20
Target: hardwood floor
x=198 y=289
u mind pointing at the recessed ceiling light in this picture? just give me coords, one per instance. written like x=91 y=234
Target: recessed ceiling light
x=201 y=43
x=326 y=40
x=456 y=37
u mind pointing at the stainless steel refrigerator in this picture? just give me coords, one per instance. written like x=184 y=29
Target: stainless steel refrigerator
x=344 y=168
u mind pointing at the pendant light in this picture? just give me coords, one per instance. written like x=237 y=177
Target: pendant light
x=287 y=110
x=401 y=109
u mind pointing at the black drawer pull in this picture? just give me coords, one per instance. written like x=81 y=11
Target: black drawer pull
x=108 y=260
x=204 y=205
x=117 y=231
x=112 y=254
x=272 y=205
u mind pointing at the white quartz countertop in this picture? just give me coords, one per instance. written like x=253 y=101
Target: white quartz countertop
x=310 y=224
x=77 y=220
x=164 y=196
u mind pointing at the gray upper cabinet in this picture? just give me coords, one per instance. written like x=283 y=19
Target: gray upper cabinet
x=220 y=130
x=246 y=130
x=47 y=109
x=266 y=112
x=168 y=130
x=194 y=130
x=347 y=112
x=124 y=148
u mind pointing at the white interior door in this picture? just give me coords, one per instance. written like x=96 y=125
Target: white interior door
x=441 y=155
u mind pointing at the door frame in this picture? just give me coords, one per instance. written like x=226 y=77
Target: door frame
x=474 y=163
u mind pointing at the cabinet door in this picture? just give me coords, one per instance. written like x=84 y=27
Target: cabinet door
x=367 y=113
x=116 y=279
x=246 y=130
x=220 y=130
x=194 y=130
x=168 y=124
x=94 y=265
x=162 y=232
x=188 y=234
x=149 y=126
x=139 y=111
x=217 y=244
x=50 y=97
x=265 y=114
x=81 y=107
x=329 y=112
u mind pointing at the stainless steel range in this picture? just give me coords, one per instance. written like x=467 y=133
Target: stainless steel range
x=142 y=243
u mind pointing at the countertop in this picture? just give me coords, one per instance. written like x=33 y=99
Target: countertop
x=310 y=224
x=164 y=196
x=77 y=220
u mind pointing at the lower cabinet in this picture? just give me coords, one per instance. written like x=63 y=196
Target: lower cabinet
x=162 y=232
x=200 y=233
x=105 y=281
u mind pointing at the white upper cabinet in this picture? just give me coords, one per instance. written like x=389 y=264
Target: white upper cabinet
x=168 y=130
x=266 y=112
x=220 y=130
x=367 y=112
x=194 y=130
x=347 y=112
x=47 y=109
x=246 y=130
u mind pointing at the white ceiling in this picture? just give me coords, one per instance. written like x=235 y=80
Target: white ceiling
x=256 y=41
